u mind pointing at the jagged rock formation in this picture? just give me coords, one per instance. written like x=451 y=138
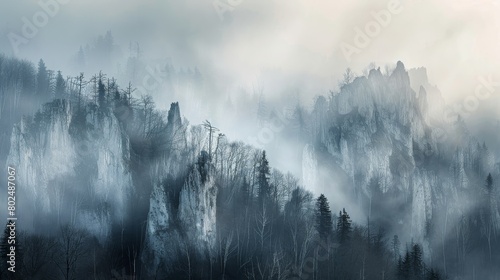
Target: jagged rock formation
x=197 y=203
x=183 y=222
x=380 y=138
x=378 y=129
x=72 y=165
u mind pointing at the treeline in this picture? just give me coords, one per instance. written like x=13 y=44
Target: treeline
x=38 y=94
x=466 y=244
x=268 y=227
x=462 y=233
x=70 y=254
x=23 y=88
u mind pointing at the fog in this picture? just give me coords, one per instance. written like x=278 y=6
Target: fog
x=455 y=40
x=282 y=52
x=269 y=58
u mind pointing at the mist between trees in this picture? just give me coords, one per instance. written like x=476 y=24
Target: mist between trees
x=144 y=192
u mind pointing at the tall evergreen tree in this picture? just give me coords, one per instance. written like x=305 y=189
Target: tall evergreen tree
x=416 y=262
x=263 y=178
x=101 y=92
x=324 y=224
x=489 y=184
x=344 y=226
x=405 y=270
x=42 y=81
x=60 y=90
x=399 y=268
x=116 y=95
x=488 y=230
x=395 y=243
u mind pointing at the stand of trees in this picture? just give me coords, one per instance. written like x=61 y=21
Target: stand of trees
x=37 y=94
x=268 y=227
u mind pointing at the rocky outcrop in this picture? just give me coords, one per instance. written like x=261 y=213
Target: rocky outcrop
x=379 y=128
x=183 y=221
x=73 y=167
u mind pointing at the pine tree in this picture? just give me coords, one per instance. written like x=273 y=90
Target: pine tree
x=116 y=95
x=489 y=184
x=344 y=227
x=399 y=268
x=101 y=92
x=395 y=248
x=488 y=214
x=416 y=261
x=42 y=81
x=263 y=178
x=60 y=90
x=324 y=224
x=405 y=269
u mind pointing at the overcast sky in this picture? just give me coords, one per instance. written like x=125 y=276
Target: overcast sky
x=457 y=40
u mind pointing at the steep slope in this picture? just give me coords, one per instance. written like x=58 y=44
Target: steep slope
x=184 y=223
x=72 y=166
x=376 y=131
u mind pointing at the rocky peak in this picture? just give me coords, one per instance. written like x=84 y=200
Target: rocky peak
x=174 y=117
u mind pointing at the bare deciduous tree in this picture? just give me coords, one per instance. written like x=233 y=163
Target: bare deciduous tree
x=72 y=248
x=38 y=250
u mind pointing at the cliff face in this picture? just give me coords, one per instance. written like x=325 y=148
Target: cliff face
x=197 y=205
x=378 y=137
x=160 y=234
x=182 y=223
x=372 y=128
x=378 y=129
x=72 y=166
